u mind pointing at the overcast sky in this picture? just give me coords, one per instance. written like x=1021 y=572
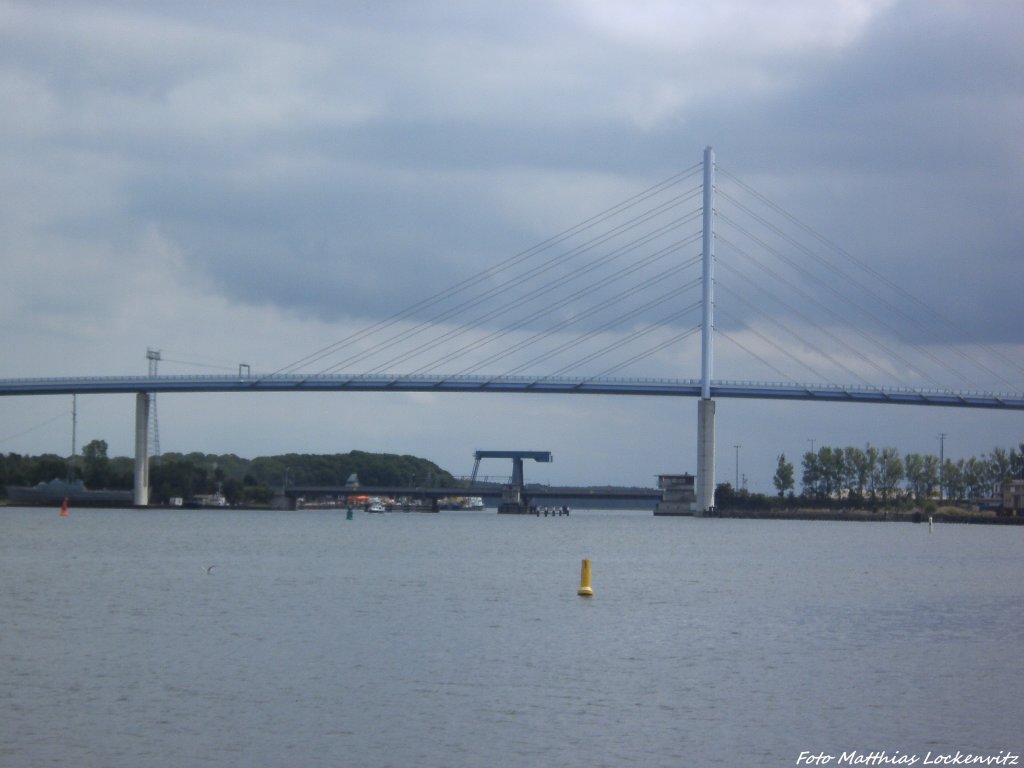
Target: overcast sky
x=252 y=181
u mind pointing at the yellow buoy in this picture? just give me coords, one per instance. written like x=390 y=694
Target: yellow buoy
x=585 y=589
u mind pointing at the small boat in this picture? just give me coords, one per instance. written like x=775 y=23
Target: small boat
x=375 y=506
x=203 y=500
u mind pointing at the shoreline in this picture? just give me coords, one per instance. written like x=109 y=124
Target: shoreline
x=951 y=516
x=961 y=517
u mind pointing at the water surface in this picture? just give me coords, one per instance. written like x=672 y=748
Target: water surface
x=458 y=639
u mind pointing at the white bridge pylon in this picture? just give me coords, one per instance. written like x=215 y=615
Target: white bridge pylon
x=705 y=485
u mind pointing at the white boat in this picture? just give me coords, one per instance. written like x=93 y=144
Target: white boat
x=375 y=506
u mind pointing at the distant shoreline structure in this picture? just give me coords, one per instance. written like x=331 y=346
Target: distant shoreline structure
x=55 y=492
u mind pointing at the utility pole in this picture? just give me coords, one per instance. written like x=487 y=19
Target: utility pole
x=737 y=447
x=74 y=430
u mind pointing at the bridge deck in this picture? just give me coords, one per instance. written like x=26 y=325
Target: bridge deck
x=508 y=384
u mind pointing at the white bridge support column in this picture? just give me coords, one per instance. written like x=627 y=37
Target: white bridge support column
x=141 y=495
x=705 y=456
x=706 y=406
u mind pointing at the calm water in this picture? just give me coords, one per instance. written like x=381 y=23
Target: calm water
x=458 y=640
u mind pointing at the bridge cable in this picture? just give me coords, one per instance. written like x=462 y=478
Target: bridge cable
x=647 y=353
x=748 y=350
x=489 y=272
x=62 y=415
x=550 y=308
x=614 y=322
x=518 y=303
x=772 y=344
x=835 y=291
x=551 y=330
x=508 y=263
x=811 y=323
x=667 y=320
x=870 y=270
x=874 y=273
x=797 y=336
x=872 y=294
x=519 y=280
x=494 y=336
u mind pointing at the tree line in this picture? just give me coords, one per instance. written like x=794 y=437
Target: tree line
x=242 y=481
x=871 y=475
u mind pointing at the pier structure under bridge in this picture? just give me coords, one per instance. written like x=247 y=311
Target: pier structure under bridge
x=431 y=495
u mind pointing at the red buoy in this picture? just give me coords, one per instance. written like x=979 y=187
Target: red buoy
x=64 y=508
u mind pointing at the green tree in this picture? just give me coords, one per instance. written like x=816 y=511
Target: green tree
x=180 y=477
x=975 y=478
x=998 y=469
x=833 y=470
x=811 y=477
x=872 y=458
x=859 y=464
x=783 y=478
x=953 y=479
x=922 y=473
x=888 y=473
x=96 y=464
x=47 y=467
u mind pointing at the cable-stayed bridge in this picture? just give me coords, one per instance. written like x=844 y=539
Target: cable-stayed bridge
x=632 y=290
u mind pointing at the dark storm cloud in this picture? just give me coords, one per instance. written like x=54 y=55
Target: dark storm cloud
x=905 y=151
x=327 y=247
x=295 y=155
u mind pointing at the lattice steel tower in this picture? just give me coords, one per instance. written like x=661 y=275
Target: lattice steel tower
x=153 y=356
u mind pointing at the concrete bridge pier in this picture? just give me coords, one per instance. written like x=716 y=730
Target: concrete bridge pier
x=141 y=495
x=705 y=456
